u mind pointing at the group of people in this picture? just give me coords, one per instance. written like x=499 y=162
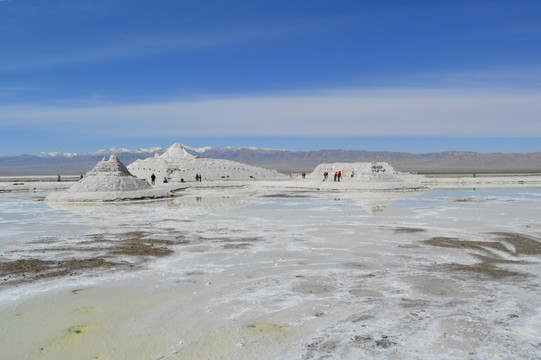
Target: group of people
x=337 y=175
x=165 y=180
x=153 y=179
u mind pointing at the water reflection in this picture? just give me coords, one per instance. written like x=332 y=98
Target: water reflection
x=375 y=202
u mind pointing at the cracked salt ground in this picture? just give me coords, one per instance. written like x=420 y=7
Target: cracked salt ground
x=310 y=277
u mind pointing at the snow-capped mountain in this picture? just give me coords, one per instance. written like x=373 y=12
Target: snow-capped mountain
x=281 y=160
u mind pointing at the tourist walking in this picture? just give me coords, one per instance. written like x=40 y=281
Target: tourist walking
x=153 y=179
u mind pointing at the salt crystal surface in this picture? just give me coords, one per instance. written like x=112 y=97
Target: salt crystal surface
x=318 y=275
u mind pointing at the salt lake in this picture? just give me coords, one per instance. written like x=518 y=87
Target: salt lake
x=244 y=272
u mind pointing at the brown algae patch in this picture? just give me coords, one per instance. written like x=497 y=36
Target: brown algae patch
x=455 y=243
x=33 y=269
x=406 y=230
x=486 y=268
x=141 y=249
x=269 y=328
x=517 y=245
x=140 y=246
x=524 y=245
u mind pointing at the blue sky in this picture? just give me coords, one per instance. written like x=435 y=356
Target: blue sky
x=416 y=76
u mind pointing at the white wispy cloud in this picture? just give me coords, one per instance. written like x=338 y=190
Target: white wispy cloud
x=495 y=78
x=135 y=44
x=378 y=112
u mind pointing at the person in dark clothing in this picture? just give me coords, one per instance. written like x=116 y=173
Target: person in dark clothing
x=153 y=179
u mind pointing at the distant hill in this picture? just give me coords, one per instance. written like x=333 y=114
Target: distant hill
x=65 y=163
x=282 y=160
x=451 y=161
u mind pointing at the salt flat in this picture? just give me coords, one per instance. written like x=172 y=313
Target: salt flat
x=240 y=271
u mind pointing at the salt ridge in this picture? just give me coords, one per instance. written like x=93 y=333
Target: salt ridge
x=178 y=164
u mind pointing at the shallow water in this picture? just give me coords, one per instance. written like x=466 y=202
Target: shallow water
x=445 y=274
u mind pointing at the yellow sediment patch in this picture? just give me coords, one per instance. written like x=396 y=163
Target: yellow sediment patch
x=83 y=291
x=231 y=343
x=82 y=329
x=70 y=340
x=269 y=328
x=90 y=309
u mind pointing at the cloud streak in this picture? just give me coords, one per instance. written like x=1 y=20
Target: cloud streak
x=381 y=112
x=135 y=44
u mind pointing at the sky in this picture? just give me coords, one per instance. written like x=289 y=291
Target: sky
x=412 y=76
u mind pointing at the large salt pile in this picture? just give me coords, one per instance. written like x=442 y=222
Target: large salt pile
x=361 y=171
x=177 y=163
x=364 y=175
x=110 y=180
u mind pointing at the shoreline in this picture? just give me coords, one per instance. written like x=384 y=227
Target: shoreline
x=412 y=182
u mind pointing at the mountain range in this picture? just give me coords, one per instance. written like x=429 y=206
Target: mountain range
x=281 y=160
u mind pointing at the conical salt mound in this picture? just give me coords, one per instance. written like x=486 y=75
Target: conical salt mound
x=112 y=166
x=109 y=175
x=177 y=152
x=110 y=180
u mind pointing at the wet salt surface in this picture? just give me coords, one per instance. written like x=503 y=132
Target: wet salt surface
x=329 y=275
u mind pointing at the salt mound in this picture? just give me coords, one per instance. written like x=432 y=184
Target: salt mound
x=109 y=175
x=360 y=171
x=365 y=176
x=110 y=180
x=176 y=164
x=176 y=153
